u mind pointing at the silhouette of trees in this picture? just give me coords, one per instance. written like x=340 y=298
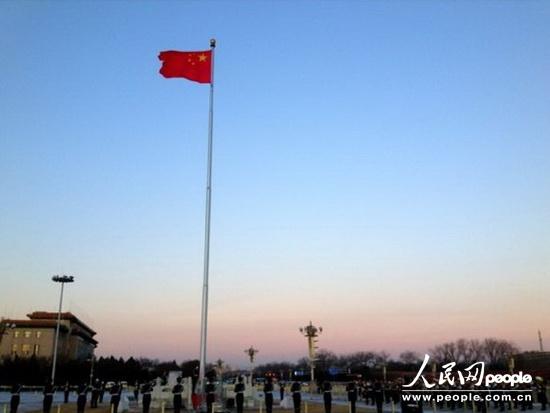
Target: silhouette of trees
x=495 y=352
x=33 y=371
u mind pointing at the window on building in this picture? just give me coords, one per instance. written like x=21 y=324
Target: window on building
x=16 y=334
x=36 y=349
x=26 y=349
x=27 y=334
x=38 y=334
x=14 y=349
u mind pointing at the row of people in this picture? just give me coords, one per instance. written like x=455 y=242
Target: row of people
x=374 y=392
x=97 y=391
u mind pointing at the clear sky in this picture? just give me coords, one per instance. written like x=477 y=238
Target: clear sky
x=380 y=168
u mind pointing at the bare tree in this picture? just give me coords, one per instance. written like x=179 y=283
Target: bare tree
x=462 y=350
x=498 y=351
x=490 y=350
x=444 y=352
x=409 y=357
x=475 y=351
x=326 y=359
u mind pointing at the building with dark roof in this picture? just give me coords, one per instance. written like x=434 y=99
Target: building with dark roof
x=534 y=362
x=36 y=336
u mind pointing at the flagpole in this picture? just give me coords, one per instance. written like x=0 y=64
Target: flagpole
x=204 y=311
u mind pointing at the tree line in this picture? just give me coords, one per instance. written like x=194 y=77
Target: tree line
x=34 y=371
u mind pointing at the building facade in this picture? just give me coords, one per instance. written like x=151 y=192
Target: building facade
x=35 y=336
x=534 y=362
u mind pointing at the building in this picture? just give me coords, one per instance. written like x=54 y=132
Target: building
x=35 y=336
x=533 y=362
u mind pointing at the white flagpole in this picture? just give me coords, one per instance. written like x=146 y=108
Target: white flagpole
x=204 y=312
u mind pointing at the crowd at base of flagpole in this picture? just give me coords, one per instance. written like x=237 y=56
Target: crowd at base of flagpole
x=159 y=396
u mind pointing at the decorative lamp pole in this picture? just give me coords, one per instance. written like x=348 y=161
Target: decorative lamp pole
x=311 y=333
x=251 y=353
x=220 y=366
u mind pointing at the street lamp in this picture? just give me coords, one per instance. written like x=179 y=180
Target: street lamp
x=92 y=361
x=63 y=279
x=220 y=365
x=251 y=352
x=311 y=333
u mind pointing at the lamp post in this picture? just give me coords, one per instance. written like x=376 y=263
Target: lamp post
x=251 y=352
x=63 y=279
x=92 y=362
x=311 y=333
x=220 y=365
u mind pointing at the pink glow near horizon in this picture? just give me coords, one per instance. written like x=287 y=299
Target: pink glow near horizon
x=279 y=340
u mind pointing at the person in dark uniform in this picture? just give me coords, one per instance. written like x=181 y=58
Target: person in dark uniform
x=395 y=394
x=532 y=391
x=387 y=392
x=481 y=404
x=282 y=390
x=136 y=391
x=177 y=391
x=543 y=399
x=295 y=389
x=351 y=388
x=15 y=397
x=66 y=392
x=239 y=395
x=115 y=392
x=48 y=396
x=410 y=406
x=101 y=392
x=268 y=395
x=146 y=390
x=378 y=391
x=368 y=393
x=327 y=395
x=501 y=403
x=210 y=390
x=82 y=391
x=96 y=390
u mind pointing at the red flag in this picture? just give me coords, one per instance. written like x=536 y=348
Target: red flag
x=196 y=66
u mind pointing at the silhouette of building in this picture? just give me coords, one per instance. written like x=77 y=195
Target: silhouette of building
x=35 y=336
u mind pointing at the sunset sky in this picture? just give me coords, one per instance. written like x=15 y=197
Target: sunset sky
x=380 y=168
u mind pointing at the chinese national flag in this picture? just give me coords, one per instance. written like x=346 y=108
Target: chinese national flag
x=195 y=66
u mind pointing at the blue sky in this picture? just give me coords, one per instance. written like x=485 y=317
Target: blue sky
x=383 y=162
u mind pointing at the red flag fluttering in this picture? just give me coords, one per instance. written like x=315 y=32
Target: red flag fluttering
x=195 y=66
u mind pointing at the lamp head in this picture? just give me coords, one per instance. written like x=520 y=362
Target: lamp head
x=63 y=278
